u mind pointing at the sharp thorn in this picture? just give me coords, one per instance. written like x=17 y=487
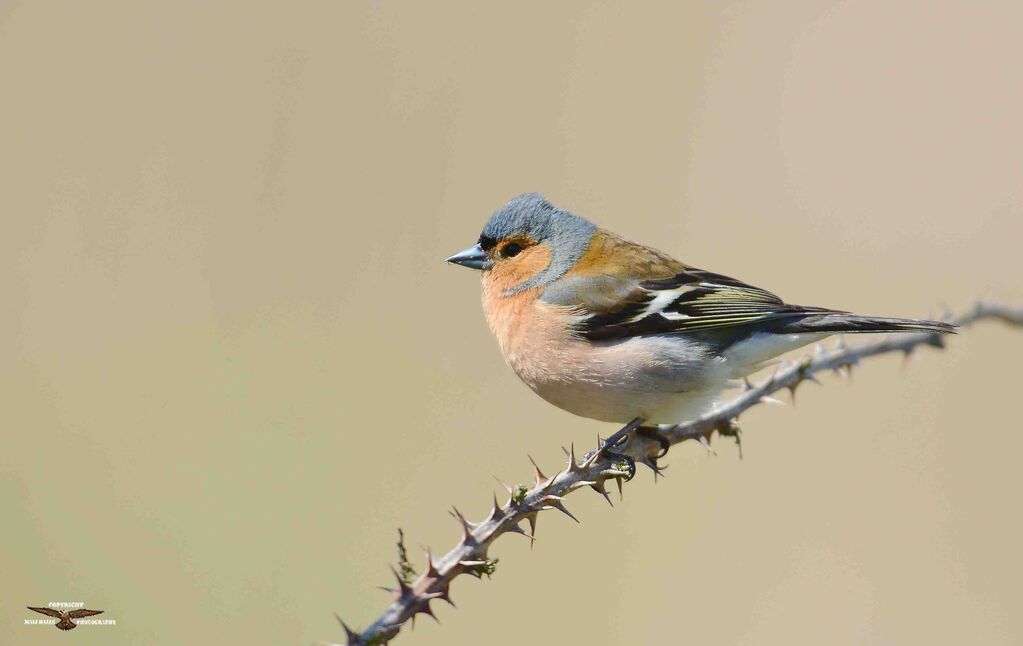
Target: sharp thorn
x=506 y=486
x=431 y=569
x=447 y=597
x=351 y=636
x=573 y=464
x=495 y=512
x=403 y=588
x=656 y=468
x=424 y=607
x=555 y=502
x=467 y=527
x=599 y=488
x=550 y=483
x=540 y=477
x=579 y=484
x=531 y=519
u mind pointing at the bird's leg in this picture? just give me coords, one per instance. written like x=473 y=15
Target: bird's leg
x=620 y=437
x=618 y=440
x=654 y=433
x=655 y=447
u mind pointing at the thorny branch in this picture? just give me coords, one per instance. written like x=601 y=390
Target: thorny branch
x=615 y=459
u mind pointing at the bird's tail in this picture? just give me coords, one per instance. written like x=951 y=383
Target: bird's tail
x=839 y=322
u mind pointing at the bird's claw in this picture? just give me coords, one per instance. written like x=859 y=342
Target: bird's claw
x=653 y=433
x=619 y=438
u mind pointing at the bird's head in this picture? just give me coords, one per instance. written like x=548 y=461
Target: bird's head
x=527 y=243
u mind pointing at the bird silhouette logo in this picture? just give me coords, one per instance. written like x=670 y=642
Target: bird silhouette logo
x=66 y=616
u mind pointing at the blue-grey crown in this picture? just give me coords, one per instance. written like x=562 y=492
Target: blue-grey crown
x=532 y=215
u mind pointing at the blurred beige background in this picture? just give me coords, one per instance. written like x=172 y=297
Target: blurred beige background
x=235 y=362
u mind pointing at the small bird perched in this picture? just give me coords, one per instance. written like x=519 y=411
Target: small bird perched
x=613 y=330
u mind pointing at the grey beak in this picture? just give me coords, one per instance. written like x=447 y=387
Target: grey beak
x=474 y=258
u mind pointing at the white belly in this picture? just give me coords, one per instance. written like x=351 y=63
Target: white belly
x=621 y=406
x=659 y=379
x=664 y=380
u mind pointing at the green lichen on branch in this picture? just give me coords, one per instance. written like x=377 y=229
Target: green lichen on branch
x=487 y=567
x=405 y=569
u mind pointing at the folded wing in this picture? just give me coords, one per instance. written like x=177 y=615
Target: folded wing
x=689 y=301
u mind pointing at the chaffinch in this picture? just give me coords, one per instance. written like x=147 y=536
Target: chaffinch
x=613 y=330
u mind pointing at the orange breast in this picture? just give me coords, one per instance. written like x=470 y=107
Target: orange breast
x=534 y=336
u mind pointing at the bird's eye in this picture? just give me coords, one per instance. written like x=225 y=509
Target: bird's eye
x=511 y=250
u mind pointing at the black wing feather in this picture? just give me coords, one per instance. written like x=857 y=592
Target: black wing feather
x=702 y=300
